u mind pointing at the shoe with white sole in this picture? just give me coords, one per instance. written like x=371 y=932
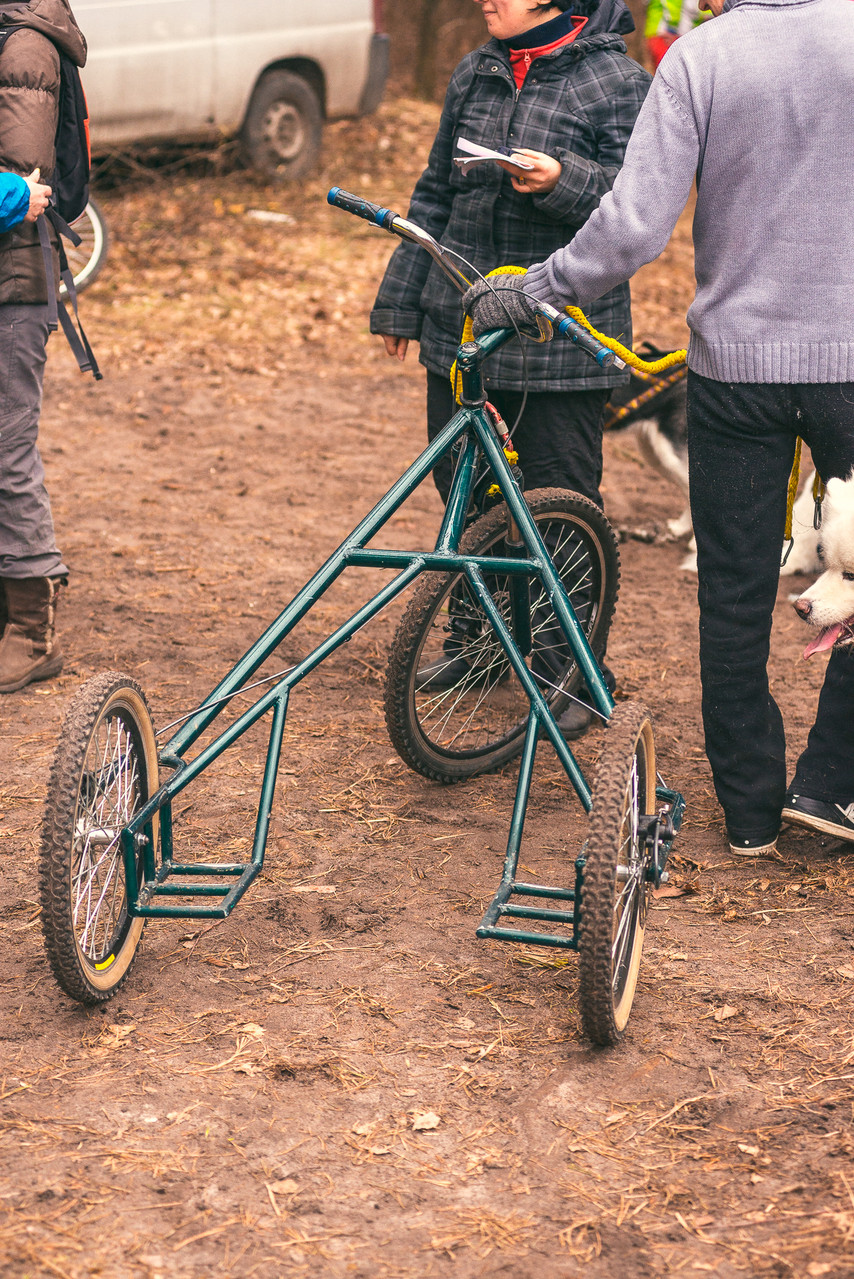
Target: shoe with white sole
x=836 y=820
x=746 y=849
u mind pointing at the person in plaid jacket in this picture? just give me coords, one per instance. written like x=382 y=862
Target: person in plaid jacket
x=555 y=82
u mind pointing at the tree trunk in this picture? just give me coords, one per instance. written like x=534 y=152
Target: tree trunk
x=428 y=40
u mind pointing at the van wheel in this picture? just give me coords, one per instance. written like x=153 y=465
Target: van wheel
x=283 y=126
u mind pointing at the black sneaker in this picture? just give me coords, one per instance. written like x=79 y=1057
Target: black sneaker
x=442 y=672
x=818 y=815
x=748 y=848
x=575 y=721
x=447 y=671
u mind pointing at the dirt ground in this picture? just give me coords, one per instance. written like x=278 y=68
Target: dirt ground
x=340 y=1079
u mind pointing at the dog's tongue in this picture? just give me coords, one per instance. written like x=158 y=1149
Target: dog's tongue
x=824 y=640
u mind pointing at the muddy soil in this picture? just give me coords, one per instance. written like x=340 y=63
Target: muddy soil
x=340 y=1079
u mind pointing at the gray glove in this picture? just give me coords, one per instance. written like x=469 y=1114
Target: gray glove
x=498 y=303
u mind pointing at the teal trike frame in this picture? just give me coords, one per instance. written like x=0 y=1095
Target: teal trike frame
x=159 y=887
x=471 y=427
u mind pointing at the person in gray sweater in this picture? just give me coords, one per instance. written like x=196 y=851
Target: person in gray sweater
x=756 y=106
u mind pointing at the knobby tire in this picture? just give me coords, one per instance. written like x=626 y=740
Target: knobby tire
x=104 y=770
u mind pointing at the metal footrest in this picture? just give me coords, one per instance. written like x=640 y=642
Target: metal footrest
x=502 y=906
x=176 y=881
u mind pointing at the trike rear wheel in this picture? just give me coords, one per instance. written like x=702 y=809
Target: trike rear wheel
x=615 y=887
x=454 y=709
x=104 y=771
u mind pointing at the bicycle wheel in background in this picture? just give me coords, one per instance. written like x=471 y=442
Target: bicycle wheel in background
x=454 y=709
x=615 y=889
x=104 y=770
x=87 y=258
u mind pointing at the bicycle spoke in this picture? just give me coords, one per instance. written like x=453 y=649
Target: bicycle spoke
x=469 y=714
x=629 y=856
x=112 y=795
x=473 y=683
x=465 y=713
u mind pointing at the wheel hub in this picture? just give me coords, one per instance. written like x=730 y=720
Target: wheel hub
x=284 y=131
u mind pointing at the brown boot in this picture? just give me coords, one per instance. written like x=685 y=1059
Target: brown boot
x=28 y=649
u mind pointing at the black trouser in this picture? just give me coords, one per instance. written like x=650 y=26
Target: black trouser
x=559 y=439
x=741 y=442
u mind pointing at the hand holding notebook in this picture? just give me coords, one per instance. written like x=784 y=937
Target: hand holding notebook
x=473 y=154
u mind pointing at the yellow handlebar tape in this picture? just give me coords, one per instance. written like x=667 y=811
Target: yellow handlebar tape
x=633 y=360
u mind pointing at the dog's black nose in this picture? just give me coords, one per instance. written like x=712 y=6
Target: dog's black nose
x=803 y=608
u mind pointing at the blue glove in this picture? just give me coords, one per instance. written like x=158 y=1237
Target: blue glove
x=500 y=302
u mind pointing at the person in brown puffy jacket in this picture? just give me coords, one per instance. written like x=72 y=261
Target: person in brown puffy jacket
x=31 y=566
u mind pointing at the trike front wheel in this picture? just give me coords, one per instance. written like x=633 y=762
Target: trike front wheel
x=615 y=884
x=104 y=771
x=454 y=709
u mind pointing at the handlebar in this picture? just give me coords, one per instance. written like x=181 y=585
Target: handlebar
x=361 y=208
x=391 y=221
x=570 y=328
x=397 y=225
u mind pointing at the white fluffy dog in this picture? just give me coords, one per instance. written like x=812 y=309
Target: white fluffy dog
x=828 y=605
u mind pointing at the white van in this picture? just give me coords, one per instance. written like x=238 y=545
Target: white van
x=268 y=71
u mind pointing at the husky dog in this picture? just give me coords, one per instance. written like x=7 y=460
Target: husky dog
x=828 y=605
x=655 y=403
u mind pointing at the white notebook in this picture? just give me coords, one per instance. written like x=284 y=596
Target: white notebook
x=475 y=154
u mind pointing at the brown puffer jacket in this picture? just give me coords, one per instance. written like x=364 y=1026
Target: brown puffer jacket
x=29 y=97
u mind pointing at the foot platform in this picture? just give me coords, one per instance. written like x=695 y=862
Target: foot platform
x=179 y=882
x=151 y=885
x=659 y=831
x=503 y=906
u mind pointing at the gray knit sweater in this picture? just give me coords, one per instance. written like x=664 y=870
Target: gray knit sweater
x=759 y=105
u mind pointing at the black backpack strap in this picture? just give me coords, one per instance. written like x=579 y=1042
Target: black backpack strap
x=79 y=342
x=47 y=254
x=62 y=227
x=56 y=312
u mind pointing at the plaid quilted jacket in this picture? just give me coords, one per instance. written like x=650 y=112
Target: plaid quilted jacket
x=578 y=104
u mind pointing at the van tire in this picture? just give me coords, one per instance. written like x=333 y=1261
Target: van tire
x=283 y=126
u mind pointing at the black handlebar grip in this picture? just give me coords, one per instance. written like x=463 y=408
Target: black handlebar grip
x=361 y=208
